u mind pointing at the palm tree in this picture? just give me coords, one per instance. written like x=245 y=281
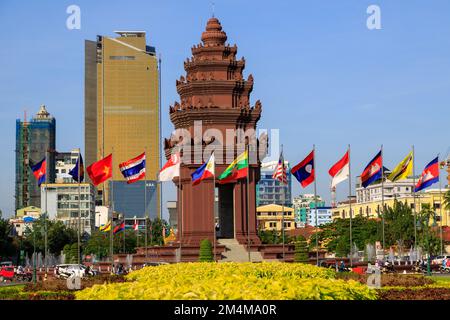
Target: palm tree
x=446 y=200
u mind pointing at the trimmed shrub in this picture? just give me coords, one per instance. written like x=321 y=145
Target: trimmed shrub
x=206 y=251
x=301 y=250
x=228 y=281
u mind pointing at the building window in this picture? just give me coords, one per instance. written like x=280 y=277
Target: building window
x=122 y=57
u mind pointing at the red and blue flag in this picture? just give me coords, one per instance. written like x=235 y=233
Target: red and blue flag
x=372 y=172
x=134 y=169
x=206 y=171
x=304 y=171
x=39 y=171
x=119 y=227
x=429 y=175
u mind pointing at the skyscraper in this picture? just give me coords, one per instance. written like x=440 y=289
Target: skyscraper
x=35 y=140
x=122 y=115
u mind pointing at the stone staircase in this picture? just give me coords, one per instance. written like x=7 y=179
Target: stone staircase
x=236 y=252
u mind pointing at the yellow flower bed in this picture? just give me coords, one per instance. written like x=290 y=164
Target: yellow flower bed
x=227 y=281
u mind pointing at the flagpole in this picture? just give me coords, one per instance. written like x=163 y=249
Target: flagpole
x=382 y=197
x=440 y=207
x=145 y=211
x=79 y=208
x=214 y=207
x=248 y=201
x=350 y=205
x=46 y=213
x=111 y=234
x=315 y=204
x=180 y=207
x=414 y=198
x=282 y=207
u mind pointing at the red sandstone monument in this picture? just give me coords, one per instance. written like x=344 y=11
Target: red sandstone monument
x=215 y=92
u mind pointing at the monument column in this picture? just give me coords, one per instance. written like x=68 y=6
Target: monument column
x=215 y=94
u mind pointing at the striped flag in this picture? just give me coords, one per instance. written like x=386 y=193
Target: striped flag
x=280 y=170
x=134 y=169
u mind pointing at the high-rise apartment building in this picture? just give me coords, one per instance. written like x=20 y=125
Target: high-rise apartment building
x=35 y=140
x=122 y=115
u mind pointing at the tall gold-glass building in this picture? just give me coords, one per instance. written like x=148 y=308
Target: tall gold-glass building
x=122 y=116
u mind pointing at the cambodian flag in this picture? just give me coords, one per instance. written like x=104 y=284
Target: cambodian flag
x=304 y=171
x=372 y=172
x=39 y=171
x=134 y=169
x=429 y=175
x=204 y=172
x=119 y=227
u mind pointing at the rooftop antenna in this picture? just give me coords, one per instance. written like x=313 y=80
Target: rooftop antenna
x=24 y=115
x=212 y=7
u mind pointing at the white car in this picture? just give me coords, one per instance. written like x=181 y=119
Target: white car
x=63 y=271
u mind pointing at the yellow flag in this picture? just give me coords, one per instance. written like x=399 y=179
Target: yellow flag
x=403 y=169
x=105 y=228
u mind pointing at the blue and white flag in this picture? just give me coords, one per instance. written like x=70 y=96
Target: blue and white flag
x=134 y=169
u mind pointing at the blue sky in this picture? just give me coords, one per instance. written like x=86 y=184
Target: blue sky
x=322 y=76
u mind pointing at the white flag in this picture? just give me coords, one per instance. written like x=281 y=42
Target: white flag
x=171 y=169
x=340 y=170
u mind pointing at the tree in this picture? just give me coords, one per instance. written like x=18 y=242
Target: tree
x=427 y=234
x=8 y=247
x=58 y=235
x=301 y=250
x=71 y=253
x=399 y=224
x=206 y=254
x=154 y=231
x=446 y=200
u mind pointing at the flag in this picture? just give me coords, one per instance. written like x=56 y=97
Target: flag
x=238 y=169
x=101 y=170
x=403 y=170
x=39 y=171
x=340 y=171
x=135 y=225
x=372 y=172
x=105 y=227
x=74 y=171
x=304 y=171
x=171 y=169
x=280 y=170
x=429 y=175
x=134 y=169
x=205 y=171
x=120 y=227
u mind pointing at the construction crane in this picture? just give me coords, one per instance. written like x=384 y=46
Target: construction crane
x=446 y=163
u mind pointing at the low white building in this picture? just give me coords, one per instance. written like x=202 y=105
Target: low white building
x=62 y=200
